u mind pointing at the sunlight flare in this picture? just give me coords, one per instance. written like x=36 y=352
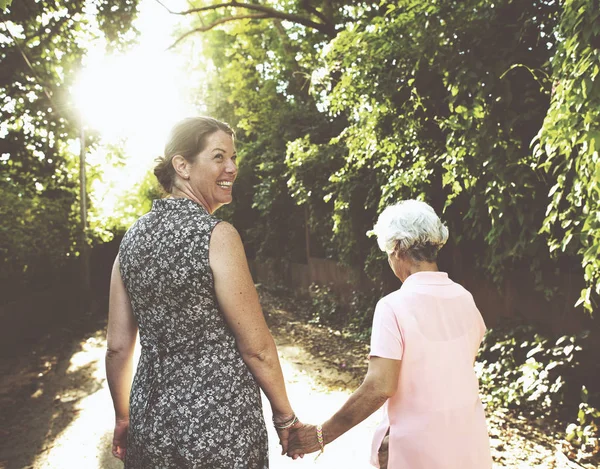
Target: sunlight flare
x=131 y=100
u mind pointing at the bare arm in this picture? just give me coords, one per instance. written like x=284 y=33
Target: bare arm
x=379 y=385
x=239 y=303
x=121 y=336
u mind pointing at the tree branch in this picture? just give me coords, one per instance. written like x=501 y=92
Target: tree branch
x=200 y=9
x=325 y=28
x=208 y=27
x=308 y=7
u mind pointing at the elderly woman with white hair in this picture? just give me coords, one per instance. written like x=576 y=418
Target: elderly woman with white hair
x=423 y=346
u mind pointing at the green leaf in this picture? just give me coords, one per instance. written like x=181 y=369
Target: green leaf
x=567 y=239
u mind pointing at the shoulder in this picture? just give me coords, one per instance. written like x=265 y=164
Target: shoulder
x=136 y=225
x=387 y=306
x=462 y=291
x=386 y=321
x=195 y=226
x=135 y=228
x=226 y=243
x=396 y=304
x=224 y=232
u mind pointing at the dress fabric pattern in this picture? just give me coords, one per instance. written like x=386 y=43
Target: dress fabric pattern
x=194 y=403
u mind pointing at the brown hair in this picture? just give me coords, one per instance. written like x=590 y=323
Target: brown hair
x=187 y=138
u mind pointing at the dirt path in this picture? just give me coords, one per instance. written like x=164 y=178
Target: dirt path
x=57 y=410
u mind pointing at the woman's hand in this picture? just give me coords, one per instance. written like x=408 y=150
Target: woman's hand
x=303 y=440
x=284 y=433
x=119 y=448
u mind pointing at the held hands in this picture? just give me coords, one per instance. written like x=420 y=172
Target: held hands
x=284 y=424
x=119 y=446
x=303 y=440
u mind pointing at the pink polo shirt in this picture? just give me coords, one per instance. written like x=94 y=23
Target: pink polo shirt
x=436 y=419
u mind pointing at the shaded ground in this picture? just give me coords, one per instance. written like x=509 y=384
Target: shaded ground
x=57 y=413
x=42 y=390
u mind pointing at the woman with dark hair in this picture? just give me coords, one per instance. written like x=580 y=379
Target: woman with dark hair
x=182 y=279
x=424 y=342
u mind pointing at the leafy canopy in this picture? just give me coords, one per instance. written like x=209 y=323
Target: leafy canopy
x=41 y=48
x=486 y=110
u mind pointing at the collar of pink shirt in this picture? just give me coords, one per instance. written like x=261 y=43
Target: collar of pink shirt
x=428 y=278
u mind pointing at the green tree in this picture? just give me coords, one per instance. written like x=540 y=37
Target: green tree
x=568 y=145
x=260 y=84
x=41 y=49
x=434 y=100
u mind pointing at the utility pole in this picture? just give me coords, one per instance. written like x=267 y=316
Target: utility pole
x=85 y=252
x=307 y=232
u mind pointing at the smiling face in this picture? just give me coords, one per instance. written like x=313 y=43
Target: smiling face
x=213 y=171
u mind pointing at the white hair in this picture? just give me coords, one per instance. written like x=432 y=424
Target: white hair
x=411 y=227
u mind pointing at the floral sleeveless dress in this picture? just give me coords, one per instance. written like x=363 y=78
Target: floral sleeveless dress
x=194 y=402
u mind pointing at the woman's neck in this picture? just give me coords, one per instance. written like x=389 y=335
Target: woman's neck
x=178 y=193
x=408 y=268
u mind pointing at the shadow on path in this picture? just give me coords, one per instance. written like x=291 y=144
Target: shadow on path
x=40 y=389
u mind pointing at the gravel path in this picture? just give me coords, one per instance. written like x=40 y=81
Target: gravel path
x=79 y=429
x=58 y=413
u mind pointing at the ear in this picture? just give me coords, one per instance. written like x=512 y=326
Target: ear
x=398 y=255
x=181 y=165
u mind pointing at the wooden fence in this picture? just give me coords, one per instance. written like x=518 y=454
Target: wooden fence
x=515 y=299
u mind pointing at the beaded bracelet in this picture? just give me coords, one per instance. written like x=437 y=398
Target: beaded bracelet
x=284 y=425
x=320 y=439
